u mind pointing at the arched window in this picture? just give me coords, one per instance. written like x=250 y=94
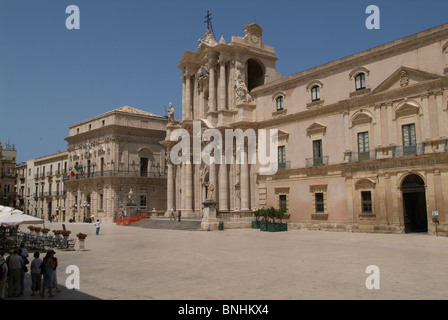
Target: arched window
x=255 y=74
x=360 y=81
x=315 y=93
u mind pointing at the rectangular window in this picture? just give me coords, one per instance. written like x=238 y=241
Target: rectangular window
x=282 y=201
x=360 y=81
x=409 y=135
x=317 y=152
x=409 y=140
x=319 y=199
x=366 y=198
x=363 y=146
x=281 y=154
x=281 y=158
x=101 y=201
x=315 y=93
x=279 y=102
x=143 y=200
x=143 y=167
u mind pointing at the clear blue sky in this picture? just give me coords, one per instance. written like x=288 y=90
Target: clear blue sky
x=126 y=52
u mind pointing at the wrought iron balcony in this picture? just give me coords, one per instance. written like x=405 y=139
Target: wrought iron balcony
x=115 y=173
x=413 y=150
x=284 y=165
x=314 y=162
x=362 y=156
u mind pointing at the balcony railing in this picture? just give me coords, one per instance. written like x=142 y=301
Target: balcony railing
x=413 y=150
x=115 y=173
x=284 y=165
x=361 y=156
x=314 y=162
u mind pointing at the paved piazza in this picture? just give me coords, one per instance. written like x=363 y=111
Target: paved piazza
x=137 y=263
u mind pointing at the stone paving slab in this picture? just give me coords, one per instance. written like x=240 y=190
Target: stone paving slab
x=131 y=263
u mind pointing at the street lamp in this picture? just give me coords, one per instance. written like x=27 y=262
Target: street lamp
x=85 y=205
x=74 y=208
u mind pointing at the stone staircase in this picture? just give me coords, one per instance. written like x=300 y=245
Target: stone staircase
x=165 y=223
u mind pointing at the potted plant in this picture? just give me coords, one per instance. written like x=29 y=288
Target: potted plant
x=66 y=233
x=45 y=231
x=257 y=215
x=31 y=228
x=81 y=236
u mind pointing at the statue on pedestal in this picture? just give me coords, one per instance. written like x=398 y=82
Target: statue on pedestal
x=170 y=113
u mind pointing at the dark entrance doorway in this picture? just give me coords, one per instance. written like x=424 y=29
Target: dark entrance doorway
x=414 y=204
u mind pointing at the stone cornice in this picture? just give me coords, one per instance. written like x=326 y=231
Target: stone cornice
x=114 y=129
x=380 y=166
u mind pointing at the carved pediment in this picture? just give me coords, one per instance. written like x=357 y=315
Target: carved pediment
x=403 y=77
x=316 y=127
x=365 y=183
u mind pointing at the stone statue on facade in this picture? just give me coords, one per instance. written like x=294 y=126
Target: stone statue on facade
x=170 y=113
x=211 y=189
x=202 y=72
x=241 y=91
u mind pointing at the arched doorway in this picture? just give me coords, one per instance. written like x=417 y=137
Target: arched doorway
x=414 y=204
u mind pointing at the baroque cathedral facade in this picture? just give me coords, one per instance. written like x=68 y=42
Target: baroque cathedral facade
x=362 y=141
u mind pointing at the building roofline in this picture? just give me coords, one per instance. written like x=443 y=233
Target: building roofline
x=418 y=39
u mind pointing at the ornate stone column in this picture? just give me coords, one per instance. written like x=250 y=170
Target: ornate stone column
x=378 y=139
x=440 y=114
x=184 y=88
x=391 y=125
x=170 y=188
x=244 y=182
x=425 y=125
x=222 y=85
x=187 y=96
x=212 y=177
x=188 y=187
x=211 y=86
x=223 y=186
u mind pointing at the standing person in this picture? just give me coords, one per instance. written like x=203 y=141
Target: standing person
x=55 y=277
x=36 y=276
x=15 y=265
x=178 y=215
x=24 y=250
x=97 y=225
x=48 y=275
x=23 y=271
x=172 y=214
x=3 y=275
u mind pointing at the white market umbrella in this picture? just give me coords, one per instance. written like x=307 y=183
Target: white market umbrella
x=6 y=209
x=16 y=219
x=8 y=213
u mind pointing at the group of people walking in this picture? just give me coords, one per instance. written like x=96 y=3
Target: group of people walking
x=14 y=268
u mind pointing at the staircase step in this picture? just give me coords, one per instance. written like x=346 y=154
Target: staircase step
x=160 y=223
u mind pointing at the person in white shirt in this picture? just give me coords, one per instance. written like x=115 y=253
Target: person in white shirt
x=97 y=225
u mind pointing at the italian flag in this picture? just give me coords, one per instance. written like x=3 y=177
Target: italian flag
x=75 y=171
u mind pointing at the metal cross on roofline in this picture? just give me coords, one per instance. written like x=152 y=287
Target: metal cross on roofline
x=208 y=20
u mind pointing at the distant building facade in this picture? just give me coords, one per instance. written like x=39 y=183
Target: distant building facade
x=114 y=157
x=45 y=194
x=8 y=156
x=362 y=141
x=21 y=185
